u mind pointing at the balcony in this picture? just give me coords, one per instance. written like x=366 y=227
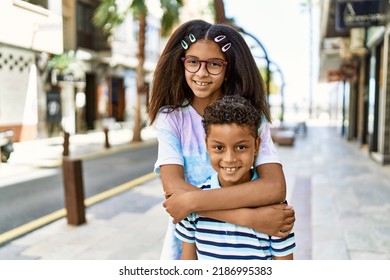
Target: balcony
x=31 y=27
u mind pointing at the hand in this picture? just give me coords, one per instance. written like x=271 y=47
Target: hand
x=275 y=220
x=177 y=205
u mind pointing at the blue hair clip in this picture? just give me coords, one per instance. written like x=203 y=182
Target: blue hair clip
x=192 y=37
x=184 y=44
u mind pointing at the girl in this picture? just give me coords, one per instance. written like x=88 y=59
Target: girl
x=200 y=63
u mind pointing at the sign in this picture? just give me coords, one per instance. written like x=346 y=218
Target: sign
x=360 y=13
x=53 y=105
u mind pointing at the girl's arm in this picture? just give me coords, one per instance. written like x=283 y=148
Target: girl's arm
x=185 y=199
x=188 y=251
x=270 y=188
x=288 y=257
x=275 y=220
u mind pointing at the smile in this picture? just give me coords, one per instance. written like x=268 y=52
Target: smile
x=230 y=169
x=201 y=84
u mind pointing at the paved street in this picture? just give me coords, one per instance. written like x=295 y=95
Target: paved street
x=341 y=198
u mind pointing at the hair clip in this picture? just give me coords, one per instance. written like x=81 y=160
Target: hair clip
x=184 y=44
x=192 y=37
x=219 y=38
x=226 y=47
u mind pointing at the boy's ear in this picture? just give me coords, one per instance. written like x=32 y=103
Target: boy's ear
x=257 y=145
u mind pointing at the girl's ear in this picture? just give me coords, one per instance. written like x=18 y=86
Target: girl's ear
x=257 y=145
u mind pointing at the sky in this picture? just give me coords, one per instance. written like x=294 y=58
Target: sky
x=282 y=26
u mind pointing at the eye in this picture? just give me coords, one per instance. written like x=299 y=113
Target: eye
x=215 y=63
x=241 y=147
x=192 y=61
x=218 y=148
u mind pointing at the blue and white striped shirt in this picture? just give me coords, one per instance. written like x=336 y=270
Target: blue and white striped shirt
x=220 y=240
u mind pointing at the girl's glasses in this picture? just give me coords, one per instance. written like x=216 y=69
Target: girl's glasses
x=214 y=66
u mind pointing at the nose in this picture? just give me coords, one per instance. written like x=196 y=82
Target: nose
x=203 y=69
x=229 y=156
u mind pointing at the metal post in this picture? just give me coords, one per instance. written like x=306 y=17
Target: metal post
x=74 y=191
x=66 y=144
x=106 y=140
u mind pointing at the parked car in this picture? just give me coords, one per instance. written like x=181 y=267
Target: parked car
x=6 y=144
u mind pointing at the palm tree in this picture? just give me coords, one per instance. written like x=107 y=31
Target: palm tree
x=220 y=16
x=107 y=16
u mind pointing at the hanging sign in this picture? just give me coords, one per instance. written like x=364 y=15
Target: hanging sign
x=359 y=13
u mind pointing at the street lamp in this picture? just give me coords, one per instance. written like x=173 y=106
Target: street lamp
x=283 y=83
x=268 y=73
x=268 y=77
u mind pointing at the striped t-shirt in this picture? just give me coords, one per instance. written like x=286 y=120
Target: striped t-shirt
x=220 y=240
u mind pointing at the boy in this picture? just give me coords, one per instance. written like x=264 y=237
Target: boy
x=232 y=139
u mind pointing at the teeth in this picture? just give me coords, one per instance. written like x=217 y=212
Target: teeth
x=230 y=169
x=201 y=84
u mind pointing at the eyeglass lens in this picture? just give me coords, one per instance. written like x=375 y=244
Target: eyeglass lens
x=213 y=66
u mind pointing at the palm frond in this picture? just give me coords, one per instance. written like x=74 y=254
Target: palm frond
x=107 y=16
x=171 y=10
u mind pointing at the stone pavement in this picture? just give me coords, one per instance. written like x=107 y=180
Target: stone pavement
x=341 y=198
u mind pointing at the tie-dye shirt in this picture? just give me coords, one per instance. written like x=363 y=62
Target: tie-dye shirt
x=181 y=140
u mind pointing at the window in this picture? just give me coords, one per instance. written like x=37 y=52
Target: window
x=87 y=35
x=40 y=3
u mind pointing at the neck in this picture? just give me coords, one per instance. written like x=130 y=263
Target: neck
x=199 y=104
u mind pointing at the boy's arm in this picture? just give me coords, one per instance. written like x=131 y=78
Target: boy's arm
x=188 y=251
x=270 y=219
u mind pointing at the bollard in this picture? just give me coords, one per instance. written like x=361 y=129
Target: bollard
x=66 y=144
x=74 y=191
x=106 y=140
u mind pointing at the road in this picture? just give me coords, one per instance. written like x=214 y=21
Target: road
x=25 y=201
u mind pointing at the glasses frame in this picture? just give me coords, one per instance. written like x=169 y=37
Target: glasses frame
x=183 y=59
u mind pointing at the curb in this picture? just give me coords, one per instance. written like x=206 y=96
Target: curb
x=40 y=222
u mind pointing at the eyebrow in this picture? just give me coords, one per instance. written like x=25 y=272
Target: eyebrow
x=219 y=142
x=194 y=56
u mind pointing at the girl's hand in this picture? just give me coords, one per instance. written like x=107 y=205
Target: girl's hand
x=178 y=205
x=275 y=220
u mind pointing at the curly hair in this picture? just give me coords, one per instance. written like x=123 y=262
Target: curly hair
x=170 y=89
x=231 y=109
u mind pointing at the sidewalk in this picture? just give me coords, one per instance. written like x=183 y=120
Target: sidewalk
x=341 y=199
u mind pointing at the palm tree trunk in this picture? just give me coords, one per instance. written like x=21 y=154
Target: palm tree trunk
x=140 y=78
x=219 y=7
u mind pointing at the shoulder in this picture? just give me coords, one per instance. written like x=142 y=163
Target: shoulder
x=264 y=126
x=168 y=112
x=211 y=183
x=168 y=116
x=205 y=185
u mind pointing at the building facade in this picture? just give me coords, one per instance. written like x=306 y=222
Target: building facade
x=58 y=72
x=354 y=54
x=28 y=32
